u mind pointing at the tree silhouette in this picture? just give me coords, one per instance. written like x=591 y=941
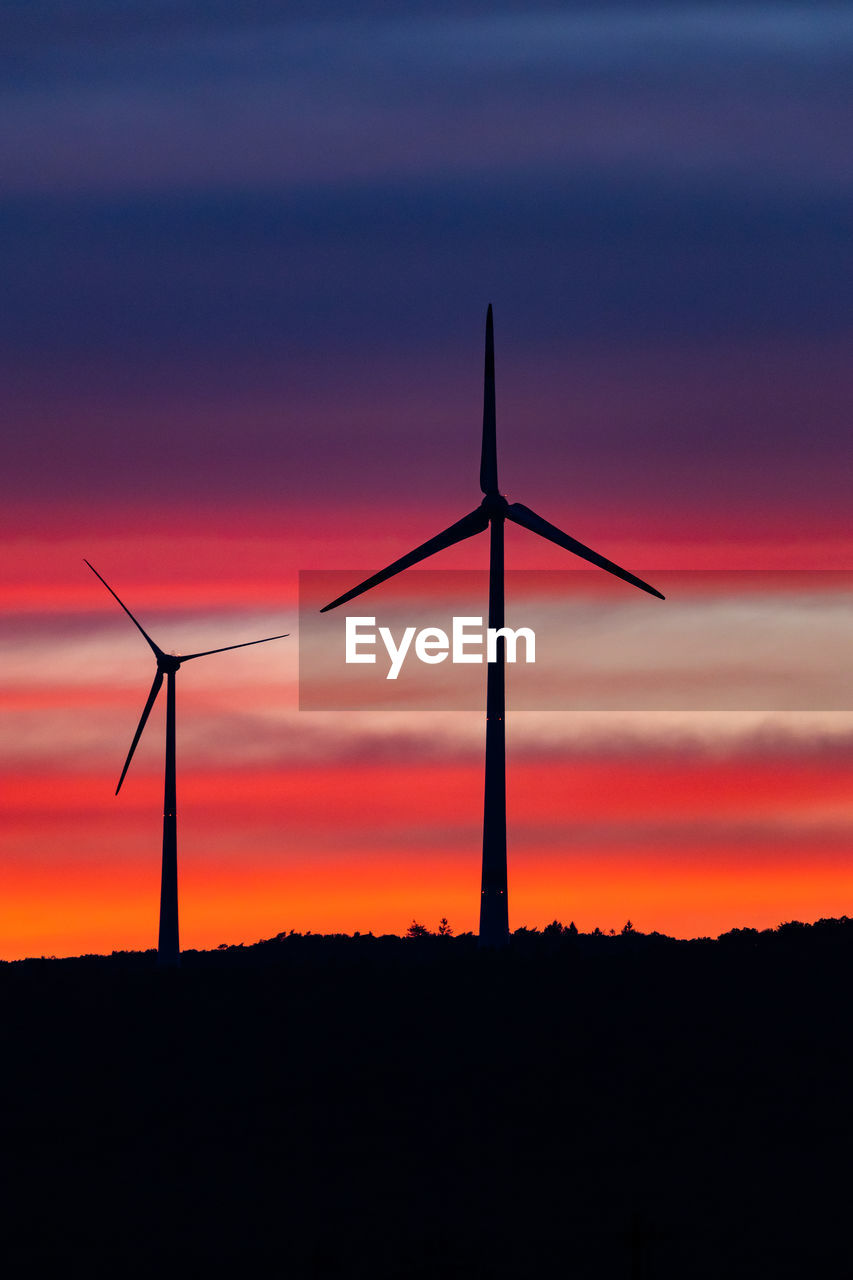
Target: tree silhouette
x=444 y=929
x=416 y=930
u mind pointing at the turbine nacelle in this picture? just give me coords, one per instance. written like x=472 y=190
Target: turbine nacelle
x=495 y=505
x=168 y=662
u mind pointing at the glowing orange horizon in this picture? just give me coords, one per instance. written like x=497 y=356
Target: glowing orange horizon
x=681 y=846
x=104 y=909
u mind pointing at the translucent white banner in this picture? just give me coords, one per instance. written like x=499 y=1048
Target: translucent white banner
x=720 y=641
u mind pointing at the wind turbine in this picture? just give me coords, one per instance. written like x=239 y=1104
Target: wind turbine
x=493 y=511
x=168 y=947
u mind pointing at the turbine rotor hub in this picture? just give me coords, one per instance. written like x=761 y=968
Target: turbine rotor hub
x=494 y=504
x=168 y=662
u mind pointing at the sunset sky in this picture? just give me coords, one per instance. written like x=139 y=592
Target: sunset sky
x=246 y=256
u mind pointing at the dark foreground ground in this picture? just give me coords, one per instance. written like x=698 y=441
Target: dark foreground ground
x=574 y=1106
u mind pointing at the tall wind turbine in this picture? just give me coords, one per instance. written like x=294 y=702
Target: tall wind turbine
x=168 y=947
x=493 y=511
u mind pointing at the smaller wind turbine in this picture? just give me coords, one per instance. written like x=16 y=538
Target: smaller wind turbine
x=168 y=947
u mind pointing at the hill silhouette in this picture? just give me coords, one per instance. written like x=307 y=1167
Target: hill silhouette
x=582 y=1105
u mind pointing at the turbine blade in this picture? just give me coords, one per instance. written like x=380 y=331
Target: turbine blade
x=124 y=606
x=489 y=451
x=185 y=657
x=474 y=522
x=155 y=689
x=530 y=520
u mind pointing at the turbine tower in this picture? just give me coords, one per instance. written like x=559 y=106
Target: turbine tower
x=168 y=946
x=492 y=512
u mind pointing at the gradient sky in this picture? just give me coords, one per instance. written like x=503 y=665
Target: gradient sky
x=246 y=259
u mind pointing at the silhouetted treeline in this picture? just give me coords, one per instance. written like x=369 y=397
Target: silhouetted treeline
x=835 y=933
x=588 y=1105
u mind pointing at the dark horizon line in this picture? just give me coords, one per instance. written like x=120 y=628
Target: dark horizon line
x=556 y=931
